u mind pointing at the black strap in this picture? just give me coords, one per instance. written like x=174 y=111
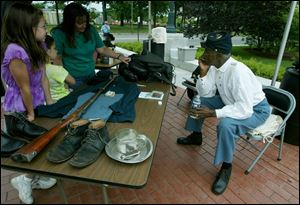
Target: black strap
x=163 y=78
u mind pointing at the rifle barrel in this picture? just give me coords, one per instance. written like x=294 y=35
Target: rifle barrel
x=29 y=151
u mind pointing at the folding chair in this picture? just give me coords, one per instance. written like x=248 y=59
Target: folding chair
x=188 y=85
x=284 y=103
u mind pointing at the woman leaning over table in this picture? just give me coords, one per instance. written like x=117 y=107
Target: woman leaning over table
x=76 y=40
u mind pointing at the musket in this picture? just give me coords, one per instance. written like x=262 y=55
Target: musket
x=29 y=151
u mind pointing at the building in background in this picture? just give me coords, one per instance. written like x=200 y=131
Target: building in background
x=50 y=16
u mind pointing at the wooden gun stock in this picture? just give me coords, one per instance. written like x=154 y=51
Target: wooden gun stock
x=29 y=151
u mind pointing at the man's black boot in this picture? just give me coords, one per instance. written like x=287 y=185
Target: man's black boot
x=193 y=139
x=69 y=145
x=91 y=148
x=221 y=181
x=18 y=126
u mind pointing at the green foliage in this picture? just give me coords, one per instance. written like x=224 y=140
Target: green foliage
x=127 y=29
x=262 y=22
x=293 y=38
x=39 y=5
x=121 y=10
x=136 y=47
x=261 y=66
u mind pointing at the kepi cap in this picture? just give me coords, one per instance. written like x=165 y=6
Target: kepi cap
x=219 y=42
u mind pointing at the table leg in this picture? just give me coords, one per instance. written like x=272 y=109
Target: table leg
x=60 y=185
x=104 y=193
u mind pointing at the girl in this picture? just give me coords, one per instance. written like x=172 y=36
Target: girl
x=58 y=76
x=23 y=60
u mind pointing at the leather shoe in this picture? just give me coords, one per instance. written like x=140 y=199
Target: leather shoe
x=18 y=126
x=91 y=148
x=192 y=139
x=69 y=145
x=9 y=145
x=221 y=181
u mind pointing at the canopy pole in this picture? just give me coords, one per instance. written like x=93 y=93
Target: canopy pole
x=57 y=15
x=149 y=26
x=283 y=41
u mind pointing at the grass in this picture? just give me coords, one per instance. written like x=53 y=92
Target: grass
x=261 y=65
x=126 y=29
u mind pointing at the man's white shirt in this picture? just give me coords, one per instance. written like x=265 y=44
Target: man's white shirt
x=238 y=87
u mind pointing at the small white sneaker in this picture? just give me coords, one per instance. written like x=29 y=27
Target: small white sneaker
x=41 y=182
x=23 y=185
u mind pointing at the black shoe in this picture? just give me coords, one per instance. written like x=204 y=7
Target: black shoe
x=192 y=139
x=69 y=145
x=91 y=148
x=221 y=181
x=18 y=126
x=9 y=145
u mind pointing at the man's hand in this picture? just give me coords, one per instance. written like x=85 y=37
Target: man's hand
x=203 y=67
x=202 y=112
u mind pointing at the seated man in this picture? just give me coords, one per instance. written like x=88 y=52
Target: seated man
x=240 y=106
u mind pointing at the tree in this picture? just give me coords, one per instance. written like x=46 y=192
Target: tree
x=261 y=21
x=121 y=10
x=178 y=5
x=265 y=28
x=104 y=11
x=293 y=42
x=158 y=9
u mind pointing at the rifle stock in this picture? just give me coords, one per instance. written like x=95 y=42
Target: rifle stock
x=29 y=151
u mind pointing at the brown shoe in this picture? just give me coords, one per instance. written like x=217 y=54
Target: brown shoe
x=69 y=145
x=91 y=147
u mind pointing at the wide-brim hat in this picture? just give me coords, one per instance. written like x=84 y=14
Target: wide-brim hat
x=219 y=42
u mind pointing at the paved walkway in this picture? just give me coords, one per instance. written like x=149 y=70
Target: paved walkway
x=184 y=174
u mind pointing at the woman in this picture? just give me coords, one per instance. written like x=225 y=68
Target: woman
x=76 y=40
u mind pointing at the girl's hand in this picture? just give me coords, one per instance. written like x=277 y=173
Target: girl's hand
x=30 y=117
x=50 y=101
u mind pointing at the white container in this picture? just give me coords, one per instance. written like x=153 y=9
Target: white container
x=186 y=54
x=159 y=35
x=174 y=53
